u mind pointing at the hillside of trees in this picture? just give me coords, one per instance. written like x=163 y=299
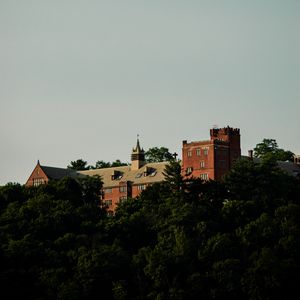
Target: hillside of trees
x=236 y=239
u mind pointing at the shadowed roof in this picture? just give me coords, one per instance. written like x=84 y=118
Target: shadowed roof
x=58 y=173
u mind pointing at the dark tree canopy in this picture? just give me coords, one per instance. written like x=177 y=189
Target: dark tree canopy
x=156 y=154
x=102 y=164
x=268 y=149
x=180 y=239
x=79 y=165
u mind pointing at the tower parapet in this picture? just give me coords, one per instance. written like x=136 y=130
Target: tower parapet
x=224 y=133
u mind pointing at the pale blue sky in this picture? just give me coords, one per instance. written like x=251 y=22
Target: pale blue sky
x=79 y=79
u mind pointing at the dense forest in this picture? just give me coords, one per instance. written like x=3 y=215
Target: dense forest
x=180 y=239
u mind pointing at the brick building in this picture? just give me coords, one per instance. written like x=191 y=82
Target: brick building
x=42 y=174
x=211 y=159
x=119 y=183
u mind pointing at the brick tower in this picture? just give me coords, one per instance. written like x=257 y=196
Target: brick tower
x=211 y=159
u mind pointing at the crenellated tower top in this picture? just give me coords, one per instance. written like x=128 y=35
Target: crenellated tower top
x=224 y=133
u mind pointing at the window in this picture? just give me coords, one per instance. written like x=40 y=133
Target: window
x=107 y=203
x=189 y=170
x=108 y=191
x=198 y=152
x=153 y=174
x=205 y=151
x=141 y=187
x=202 y=164
x=116 y=175
x=38 y=181
x=123 y=189
x=204 y=176
x=123 y=198
x=189 y=153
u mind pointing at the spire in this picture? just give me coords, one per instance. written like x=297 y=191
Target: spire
x=137 y=156
x=137 y=148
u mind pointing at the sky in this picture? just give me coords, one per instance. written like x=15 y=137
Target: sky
x=80 y=79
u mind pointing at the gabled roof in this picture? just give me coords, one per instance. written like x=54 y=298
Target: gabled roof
x=58 y=173
x=124 y=173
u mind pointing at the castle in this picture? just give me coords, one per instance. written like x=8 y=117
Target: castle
x=209 y=159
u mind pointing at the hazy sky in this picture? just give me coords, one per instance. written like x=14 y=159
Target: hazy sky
x=79 y=79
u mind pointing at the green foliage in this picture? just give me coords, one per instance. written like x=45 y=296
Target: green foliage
x=180 y=239
x=156 y=154
x=100 y=164
x=79 y=165
x=269 y=150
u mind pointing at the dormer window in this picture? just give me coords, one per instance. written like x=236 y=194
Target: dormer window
x=116 y=175
x=147 y=171
x=153 y=173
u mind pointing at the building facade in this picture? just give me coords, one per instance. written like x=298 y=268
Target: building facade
x=209 y=159
x=213 y=158
x=120 y=183
x=42 y=174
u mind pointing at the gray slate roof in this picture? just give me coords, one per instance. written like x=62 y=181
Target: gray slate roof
x=58 y=173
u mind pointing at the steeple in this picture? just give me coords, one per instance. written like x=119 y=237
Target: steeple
x=137 y=156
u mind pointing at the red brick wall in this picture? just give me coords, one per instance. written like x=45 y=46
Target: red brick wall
x=194 y=155
x=222 y=159
x=223 y=149
x=231 y=135
x=116 y=194
x=136 y=190
x=37 y=174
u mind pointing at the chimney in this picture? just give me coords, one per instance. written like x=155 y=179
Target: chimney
x=250 y=154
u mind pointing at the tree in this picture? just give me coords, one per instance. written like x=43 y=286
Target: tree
x=268 y=149
x=79 y=165
x=44 y=233
x=118 y=163
x=173 y=175
x=156 y=154
x=100 y=164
